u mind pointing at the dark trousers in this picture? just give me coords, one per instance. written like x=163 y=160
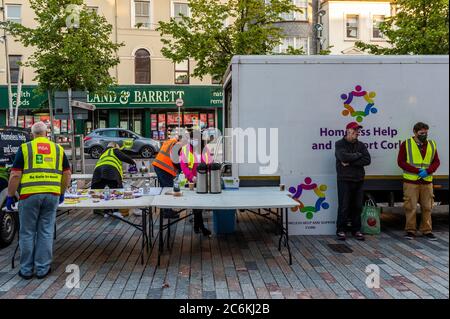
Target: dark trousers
x=165 y=180
x=350 y=199
x=101 y=184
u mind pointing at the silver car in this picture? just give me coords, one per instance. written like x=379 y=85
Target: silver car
x=96 y=142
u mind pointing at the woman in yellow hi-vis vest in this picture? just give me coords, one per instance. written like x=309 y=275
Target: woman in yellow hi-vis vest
x=43 y=172
x=418 y=158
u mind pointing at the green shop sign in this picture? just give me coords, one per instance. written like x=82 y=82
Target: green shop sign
x=29 y=99
x=156 y=96
x=132 y=96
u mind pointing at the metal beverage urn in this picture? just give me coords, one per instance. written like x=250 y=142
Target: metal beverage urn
x=202 y=178
x=215 y=186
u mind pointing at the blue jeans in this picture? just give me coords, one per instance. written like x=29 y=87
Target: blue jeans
x=37 y=215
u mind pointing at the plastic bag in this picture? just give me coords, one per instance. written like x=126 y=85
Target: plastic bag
x=370 y=219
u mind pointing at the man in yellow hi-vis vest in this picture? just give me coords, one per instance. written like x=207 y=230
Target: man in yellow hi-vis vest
x=43 y=172
x=418 y=158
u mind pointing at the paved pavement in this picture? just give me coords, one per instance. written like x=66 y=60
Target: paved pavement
x=246 y=264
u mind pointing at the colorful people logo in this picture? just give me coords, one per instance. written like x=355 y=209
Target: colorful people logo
x=319 y=190
x=350 y=110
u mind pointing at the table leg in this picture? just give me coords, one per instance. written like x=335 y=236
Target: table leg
x=168 y=234
x=150 y=225
x=281 y=228
x=144 y=227
x=287 y=236
x=161 y=241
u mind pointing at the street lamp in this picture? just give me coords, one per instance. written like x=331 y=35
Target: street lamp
x=318 y=27
x=4 y=39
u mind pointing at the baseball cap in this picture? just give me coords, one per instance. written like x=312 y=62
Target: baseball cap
x=353 y=125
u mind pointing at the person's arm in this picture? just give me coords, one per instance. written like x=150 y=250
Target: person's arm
x=16 y=173
x=401 y=160
x=435 y=164
x=365 y=158
x=344 y=156
x=67 y=174
x=123 y=157
x=14 y=181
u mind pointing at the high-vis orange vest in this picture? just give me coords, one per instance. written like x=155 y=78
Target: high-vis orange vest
x=163 y=160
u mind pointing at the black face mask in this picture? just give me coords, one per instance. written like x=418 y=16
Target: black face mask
x=422 y=138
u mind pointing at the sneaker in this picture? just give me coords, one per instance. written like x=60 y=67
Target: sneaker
x=410 y=236
x=26 y=277
x=117 y=214
x=359 y=236
x=44 y=275
x=137 y=212
x=430 y=236
x=340 y=235
x=206 y=232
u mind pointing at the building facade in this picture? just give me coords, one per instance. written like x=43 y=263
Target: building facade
x=346 y=22
x=298 y=29
x=148 y=83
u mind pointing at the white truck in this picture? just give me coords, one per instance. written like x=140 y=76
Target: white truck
x=308 y=100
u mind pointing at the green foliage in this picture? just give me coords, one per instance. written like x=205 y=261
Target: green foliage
x=79 y=56
x=419 y=27
x=205 y=38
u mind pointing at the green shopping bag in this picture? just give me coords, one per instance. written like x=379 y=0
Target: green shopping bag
x=370 y=219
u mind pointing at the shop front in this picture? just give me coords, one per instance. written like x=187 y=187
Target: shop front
x=147 y=110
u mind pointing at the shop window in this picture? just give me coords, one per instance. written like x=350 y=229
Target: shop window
x=352 y=25
x=182 y=72
x=14 y=67
x=142 y=67
x=376 y=32
x=14 y=13
x=142 y=17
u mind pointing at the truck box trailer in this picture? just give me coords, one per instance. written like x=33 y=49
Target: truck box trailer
x=304 y=103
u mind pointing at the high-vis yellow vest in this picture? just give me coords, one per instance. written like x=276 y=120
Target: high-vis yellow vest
x=43 y=167
x=414 y=158
x=189 y=155
x=109 y=158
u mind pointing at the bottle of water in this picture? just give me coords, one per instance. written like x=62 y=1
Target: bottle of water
x=147 y=187
x=74 y=186
x=176 y=184
x=107 y=193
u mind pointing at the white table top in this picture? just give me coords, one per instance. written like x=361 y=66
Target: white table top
x=244 y=198
x=125 y=176
x=141 y=202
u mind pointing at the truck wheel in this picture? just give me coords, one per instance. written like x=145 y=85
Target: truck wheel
x=147 y=152
x=96 y=152
x=8 y=228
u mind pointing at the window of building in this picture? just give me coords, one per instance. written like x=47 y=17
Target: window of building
x=142 y=67
x=14 y=13
x=179 y=9
x=297 y=16
x=14 y=67
x=376 y=21
x=294 y=42
x=142 y=14
x=352 y=24
x=182 y=72
x=92 y=9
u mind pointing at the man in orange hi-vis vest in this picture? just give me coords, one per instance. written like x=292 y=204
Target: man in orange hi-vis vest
x=166 y=169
